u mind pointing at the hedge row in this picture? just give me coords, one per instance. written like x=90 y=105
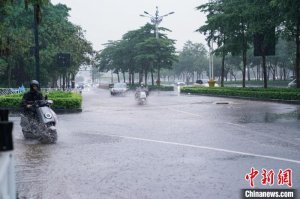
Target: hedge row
x=155 y=87
x=161 y=88
x=256 y=93
x=61 y=100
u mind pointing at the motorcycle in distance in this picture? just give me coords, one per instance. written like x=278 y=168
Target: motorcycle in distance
x=141 y=97
x=42 y=124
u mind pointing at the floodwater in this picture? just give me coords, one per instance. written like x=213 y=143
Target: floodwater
x=174 y=146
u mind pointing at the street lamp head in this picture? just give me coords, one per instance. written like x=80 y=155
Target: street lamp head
x=171 y=13
x=146 y=12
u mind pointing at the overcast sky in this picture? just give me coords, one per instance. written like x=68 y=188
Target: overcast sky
x=105 y=20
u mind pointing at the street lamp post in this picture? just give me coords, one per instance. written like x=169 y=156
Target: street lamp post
x=156 y=20
x=211 y=57
x=211 y=81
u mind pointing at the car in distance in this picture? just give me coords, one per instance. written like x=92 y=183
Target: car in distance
x=180 y=83
x=203 y=83
x=118 y=88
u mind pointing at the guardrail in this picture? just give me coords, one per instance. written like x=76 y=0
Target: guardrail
x=7 y=166
x=7 y=91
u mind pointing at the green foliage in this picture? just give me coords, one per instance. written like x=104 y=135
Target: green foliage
x=10 y=101
x=251 y=93
x=56 y=34
x=192 y=58
x=161 y=88
x=67 y=103
x=138 y=51
x=153 y=87
x=61 y=100
x=271 y=83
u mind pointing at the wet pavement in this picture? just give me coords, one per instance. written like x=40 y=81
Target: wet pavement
x=175 y=146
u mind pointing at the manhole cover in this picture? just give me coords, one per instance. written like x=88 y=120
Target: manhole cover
x=222 y=103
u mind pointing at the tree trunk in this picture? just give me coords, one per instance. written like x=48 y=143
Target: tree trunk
x=158 y=77
x=274 y=72
x=244 y=58
x=223 y=69
x=255 y=77
x=248 y=72
x=264 y=69
x=118 y=75
x=258 y=72
x=64 y=81
x=73 y=80
x=152 y=78
x=132 y=78
x=146 y=77
x=9 y=74
x=124 y=77
x=141 y=77
x=36 y=41
x=60 y=83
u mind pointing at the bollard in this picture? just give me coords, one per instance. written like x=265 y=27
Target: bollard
x=7 y=166
x=6 y=141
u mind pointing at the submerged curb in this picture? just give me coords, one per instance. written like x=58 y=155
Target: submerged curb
x=297 y=102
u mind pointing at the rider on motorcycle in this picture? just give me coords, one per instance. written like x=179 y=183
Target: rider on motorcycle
x=141 y=88
x=31 y=96
x=38 y=120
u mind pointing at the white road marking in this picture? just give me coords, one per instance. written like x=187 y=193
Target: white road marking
x=209 y=148
x=235 y=124
x=198 y=115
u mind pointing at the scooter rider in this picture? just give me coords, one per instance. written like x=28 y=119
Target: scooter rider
x=141 y=88
x=31 y=96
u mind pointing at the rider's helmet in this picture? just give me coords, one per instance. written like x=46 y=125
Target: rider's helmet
x=34 y=83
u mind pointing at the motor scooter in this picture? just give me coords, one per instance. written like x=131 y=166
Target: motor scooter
x=141 y=97
x=40 y=122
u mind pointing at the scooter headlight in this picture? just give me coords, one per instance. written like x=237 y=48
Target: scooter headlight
x=48 y=115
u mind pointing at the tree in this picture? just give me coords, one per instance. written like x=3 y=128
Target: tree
x=138 y=51
x=156 y=52
x=57 y=34
x=290 y=21
x=232 y=23
x=193 y=58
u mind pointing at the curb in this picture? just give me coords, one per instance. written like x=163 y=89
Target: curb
x=15 y=112
x=296 y=102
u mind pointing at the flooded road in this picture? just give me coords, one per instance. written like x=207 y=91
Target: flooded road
x=175 y=146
